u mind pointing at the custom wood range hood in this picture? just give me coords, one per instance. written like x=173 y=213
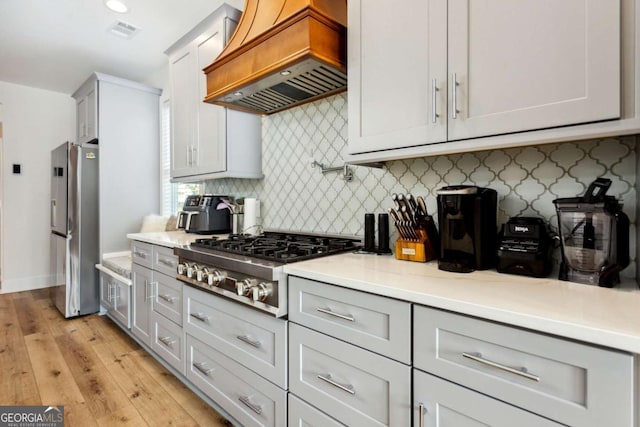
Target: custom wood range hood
x=283 y=53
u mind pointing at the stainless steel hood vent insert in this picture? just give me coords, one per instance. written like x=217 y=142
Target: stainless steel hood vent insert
x=314 y=83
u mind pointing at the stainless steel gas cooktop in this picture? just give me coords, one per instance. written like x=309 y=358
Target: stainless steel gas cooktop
x=249 y=269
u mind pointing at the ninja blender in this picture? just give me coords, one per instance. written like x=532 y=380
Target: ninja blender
x=594 y=234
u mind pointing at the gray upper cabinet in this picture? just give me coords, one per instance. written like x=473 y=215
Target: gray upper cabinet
x=86 y=113
x=208 y=141
x=122 y=117
x=462 y=70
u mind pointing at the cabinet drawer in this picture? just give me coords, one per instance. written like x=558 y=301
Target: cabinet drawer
x=254 y=339
x=250 y=399
x=141 y=253
x=573 y=383
x=442 y=403
x=355 y=386
x=168 y=297
x=167 y=341
x=303 y=414
x=379 y=324
x=165 y=261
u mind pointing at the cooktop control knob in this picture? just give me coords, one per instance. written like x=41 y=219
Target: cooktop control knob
x=216 y=277
x=244 y=288
x=202 y=274
x=262 y=291
x=182 y=268
x=192 y=271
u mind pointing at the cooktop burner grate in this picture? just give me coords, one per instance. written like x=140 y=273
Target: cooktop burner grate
x=281 y=247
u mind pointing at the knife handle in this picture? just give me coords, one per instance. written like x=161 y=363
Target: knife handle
x=412 y=203
x=396 y=202
x=422 y=206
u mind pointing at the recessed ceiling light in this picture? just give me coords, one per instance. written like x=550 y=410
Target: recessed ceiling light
x=117 y=6
x=285 y=72
x=238 y=93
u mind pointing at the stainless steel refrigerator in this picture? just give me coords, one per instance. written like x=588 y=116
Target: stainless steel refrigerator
x=74 y=229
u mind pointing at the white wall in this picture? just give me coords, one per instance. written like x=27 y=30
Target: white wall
x=34 y=122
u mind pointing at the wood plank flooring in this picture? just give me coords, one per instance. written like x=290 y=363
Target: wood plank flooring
x=89 y=365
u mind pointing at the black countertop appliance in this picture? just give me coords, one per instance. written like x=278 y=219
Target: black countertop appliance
x=205 y=214
x=468 y=230
x=525 y=247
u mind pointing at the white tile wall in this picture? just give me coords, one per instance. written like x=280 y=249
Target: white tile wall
x=297 y=197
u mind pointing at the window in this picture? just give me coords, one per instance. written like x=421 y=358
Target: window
x=172 y=195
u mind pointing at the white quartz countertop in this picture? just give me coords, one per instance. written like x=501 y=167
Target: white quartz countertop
x=607 y=317
x=170 y=239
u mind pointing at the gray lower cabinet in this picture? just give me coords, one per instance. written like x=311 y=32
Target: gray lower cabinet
x=157 y=303
x=249 y=398
x=237 y=356
x=569 y=382
x=303 y=414
x=142 y=287
x=115 y=297
x=168 y=341
x=377 y=323
x=252 y=338
x=354 y=385
x=440 y=403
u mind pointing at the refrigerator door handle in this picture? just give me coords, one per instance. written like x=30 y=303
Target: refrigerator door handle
x=53 y=212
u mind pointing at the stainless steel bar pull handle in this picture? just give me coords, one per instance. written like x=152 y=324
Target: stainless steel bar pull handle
x=255 y=408
x=344 y=387
x=421 y=412
x=167 y=298
x=166 y=262
x=254 y=343
x=140 y=254
x=200 y=316
x=334 y=314
x=454 y=96
x=201 y=367
x=168 y=341
x=434 y=97
x=516 y=371
x=115 y=296
x=149 y=286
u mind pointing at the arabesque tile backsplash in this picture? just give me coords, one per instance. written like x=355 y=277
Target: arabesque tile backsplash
x=295 y=196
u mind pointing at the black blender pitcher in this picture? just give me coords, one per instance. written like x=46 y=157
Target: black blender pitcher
x=594 y=233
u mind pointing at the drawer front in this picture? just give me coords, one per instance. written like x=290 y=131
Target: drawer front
x=142 y=253
x=379 y=324
x=441 y=403
x=254 y=339
x=303 y=414
x=355 y=386
x=249 y=398
x=168 y=342
x=165 y=261
x=168 y=297
x=573 y=383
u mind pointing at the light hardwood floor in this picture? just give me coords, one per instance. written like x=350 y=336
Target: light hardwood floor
x=89 y=365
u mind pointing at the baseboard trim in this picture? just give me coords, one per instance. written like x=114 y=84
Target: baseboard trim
x=26 y=284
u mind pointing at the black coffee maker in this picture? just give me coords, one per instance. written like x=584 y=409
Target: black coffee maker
x=594 y=233
x=468 y=229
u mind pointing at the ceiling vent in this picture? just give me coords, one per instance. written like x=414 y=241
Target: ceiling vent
x=124 y=29
x=283 y=53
